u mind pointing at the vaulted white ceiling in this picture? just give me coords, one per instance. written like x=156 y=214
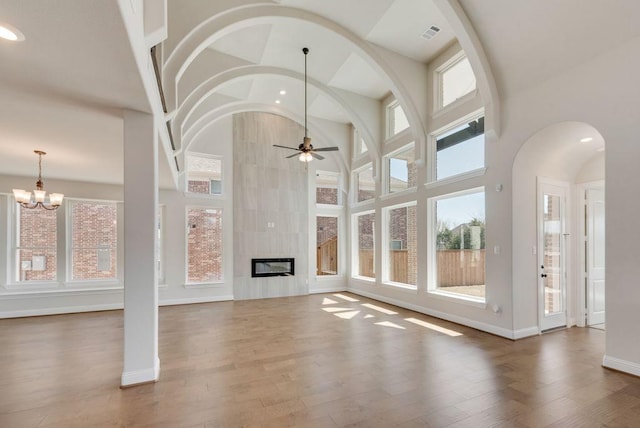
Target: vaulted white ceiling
x=64 y=87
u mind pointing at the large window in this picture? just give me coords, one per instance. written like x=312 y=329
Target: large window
x=93 y=240
x=327 y=188
x=460 y=150
x=396 y=119
x=365 y=184
x=401 y=169
x=460 y=244
x=401 y=245
x=326 y=245
x=204 y=245
x=204 y=174
x=456 y=79
x=36 y=241
x=365 y=251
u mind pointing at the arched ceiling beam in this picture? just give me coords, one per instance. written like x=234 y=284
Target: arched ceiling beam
x=468 y=39
x=226 y=22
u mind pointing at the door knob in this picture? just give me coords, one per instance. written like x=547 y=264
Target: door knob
x=543 y=275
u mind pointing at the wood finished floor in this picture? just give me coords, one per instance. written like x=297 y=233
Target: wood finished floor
x=316 y=360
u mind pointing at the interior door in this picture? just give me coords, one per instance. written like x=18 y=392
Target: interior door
x=552 y=240
x=595 y=256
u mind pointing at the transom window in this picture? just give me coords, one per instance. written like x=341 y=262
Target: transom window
x=204 y=174
x=460 y=149
x=365 y=184
x=455 y=79
x=327 y=188
x=401 y=169
x=396 y=119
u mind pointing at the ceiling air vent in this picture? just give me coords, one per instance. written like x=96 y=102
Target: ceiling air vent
x=431 y=32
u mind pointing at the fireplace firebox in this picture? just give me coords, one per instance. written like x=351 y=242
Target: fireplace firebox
x=272 y=267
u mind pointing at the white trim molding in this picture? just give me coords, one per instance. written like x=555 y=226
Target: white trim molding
x=138 y=377
x=620 y=365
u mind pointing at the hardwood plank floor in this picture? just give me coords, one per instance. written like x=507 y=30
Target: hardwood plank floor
x=317 y=360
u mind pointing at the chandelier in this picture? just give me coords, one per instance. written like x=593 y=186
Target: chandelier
x=39 y=194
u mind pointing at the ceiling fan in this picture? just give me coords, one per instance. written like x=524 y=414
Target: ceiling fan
x=306 y=149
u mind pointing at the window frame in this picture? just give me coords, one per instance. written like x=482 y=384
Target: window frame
x=186 y=176
x=432 y=180
x=385 y=246
x=432 y=265
x=359 y=145
x=438 y=83
x=68 y=244
x=338 y=218
x=387 y=169
x=355 y=248
x=390 y=120
x=356 y=183
x=338 y=184
x=202 y=284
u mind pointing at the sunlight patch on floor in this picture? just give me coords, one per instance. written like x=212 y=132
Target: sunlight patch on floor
x=347 y=315
x=347 y=298
x=390 y=324
x=369 y=316
x=433 y=327
x=379 y=309
x=328 y=301
x=334 y=309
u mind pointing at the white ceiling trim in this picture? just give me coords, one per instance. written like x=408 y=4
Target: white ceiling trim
x=209 y=87
x=219 y=25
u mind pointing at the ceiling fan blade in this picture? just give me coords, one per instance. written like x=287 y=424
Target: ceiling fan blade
x=317 y=156
x=285 y=147
x=292 y=156
x=326 y=149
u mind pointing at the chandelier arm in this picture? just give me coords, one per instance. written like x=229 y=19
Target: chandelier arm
x=48 y=207
x=29 y=205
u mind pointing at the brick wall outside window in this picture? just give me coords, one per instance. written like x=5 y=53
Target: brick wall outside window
x=204 y=245
x=36 y=246
x=93 y=240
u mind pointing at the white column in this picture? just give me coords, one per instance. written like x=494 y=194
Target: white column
x=141 y=362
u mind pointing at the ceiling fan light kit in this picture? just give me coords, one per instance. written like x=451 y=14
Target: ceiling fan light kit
x=306 y=149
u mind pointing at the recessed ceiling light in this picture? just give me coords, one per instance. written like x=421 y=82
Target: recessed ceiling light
x=586 y=139
x=11 y=33
x=283 y=92
x=277 y=101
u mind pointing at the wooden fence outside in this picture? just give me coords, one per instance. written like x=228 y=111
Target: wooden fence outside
x=455 y=267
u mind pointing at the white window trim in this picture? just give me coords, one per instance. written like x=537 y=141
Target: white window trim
x=385 y=247
x=68 y=241
x=339 y=187
x=432 y=268
x=203 y=284
x=355 y=247
x=433 y=150
x=390 y=120
x=357 y=153
x=356 y=184
x=338 y=273
x=186 y=176
x=438 y=88
x=387 y=168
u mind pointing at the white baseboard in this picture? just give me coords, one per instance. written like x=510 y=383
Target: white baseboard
x=498 y=331
x=190 y=300
x=60 y=310
x=327 y=290
x=137 y=377
x=621 y=365
x=526 y=332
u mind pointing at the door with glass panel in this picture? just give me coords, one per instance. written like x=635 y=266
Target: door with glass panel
x=552 y=240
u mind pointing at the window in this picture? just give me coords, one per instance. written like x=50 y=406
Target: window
x=401 y=170
x=359 y=146
x=365 y=185
x=455 y=80
x=402 y=249
x=204 y=174
x=396 y=119
x=365 y=251
x=36 y=241
x=327 y=245
x=204 y=245
x=460 y=244
x=327 y=188
x=93 y=240
x=460 y=149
